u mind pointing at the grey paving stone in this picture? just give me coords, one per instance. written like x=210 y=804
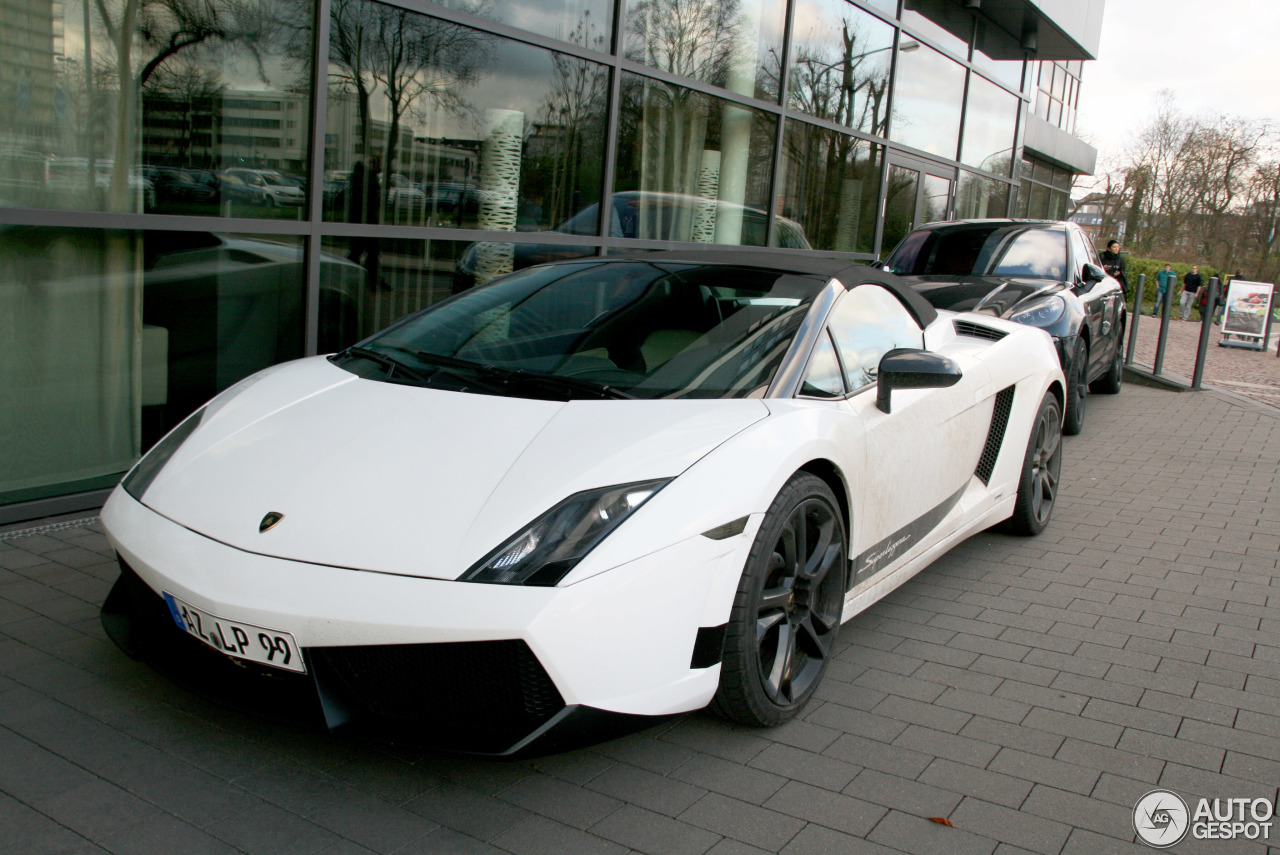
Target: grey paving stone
x=917 y=712
x=872 y=754
x=922 y=837
x=1085 y=842
x=1080 y=811
x=1033 y=767
x=270 y=830
x=646 y=789
x=1019 y=827
x=962 y=749
x=468 y=811
x=901 y=794
x=1042 y=696
x=560 y=800
x=816 y=840
x=373 y=823
x=750 y=823
x=834 y=810
x=538 y=835
x=828 y=772
x=1020 y=736
x=1168 y=748
x=984 y=705
x=969 y=780
x=860 y=722
x=898 y=685
x=1114 y=760
x=165 y=834
x=654 y=833
x=730 y=779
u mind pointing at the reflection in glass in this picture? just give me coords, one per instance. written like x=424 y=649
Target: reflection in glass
x=559 y=19
x=980 y=197
x=145 y=107
x=937 y=196
x=730 y=43
x=435 y=124
x=926 y=102
x=900 y=206
x=830 y=185
x=943 y=22
x=841 y=74
x=701 y=165
x=407 y=276
x=110 y=338
x=991 y=119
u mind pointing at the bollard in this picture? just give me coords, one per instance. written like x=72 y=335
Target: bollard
x=1166 y=308
x=1133 y=318
x=1206 y=326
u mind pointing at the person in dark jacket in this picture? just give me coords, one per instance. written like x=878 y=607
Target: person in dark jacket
x=364 y=205
x=1113 y=263
x=1190 y=291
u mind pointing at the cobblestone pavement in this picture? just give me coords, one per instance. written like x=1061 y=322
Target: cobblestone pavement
x=1029 y=691
x=1251 y=373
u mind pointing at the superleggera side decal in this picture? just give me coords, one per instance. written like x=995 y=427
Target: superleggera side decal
x=880 y=556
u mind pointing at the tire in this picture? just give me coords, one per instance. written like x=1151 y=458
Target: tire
x=1109 y=383
x=1041 y=466
x=786 y=613
x=1077 y=390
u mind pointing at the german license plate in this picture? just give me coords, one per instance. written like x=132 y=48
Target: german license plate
x=273 y=647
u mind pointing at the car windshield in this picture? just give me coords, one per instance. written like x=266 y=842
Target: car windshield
x=275 y=180
x=626 y=329
x=1015 y=250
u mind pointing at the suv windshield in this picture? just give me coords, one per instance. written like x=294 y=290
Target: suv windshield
x=1014 y=250
x=630 y=329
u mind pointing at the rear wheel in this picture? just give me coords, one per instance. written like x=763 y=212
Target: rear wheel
x=1109 y=383
x=787 y=610
x=1038 y=484
x=1077 y=389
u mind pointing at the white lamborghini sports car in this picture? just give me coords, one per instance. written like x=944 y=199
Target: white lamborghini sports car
x=582 y=496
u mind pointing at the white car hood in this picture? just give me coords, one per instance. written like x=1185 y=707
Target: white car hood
x=399 y=479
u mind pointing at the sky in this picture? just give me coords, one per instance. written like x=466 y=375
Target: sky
x=1217 y=57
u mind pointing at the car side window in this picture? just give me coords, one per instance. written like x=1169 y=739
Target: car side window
x=822 y=379
x=867 y=323
x=1081 y=249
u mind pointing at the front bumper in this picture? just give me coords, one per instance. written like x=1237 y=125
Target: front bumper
x=490 y=669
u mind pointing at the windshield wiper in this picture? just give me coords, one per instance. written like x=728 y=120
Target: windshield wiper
x=390 y=363
x=508 y=376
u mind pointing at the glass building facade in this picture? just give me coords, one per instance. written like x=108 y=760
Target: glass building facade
x=193 y=190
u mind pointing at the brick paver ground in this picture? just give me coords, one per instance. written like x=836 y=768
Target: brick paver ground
x=1030 y=691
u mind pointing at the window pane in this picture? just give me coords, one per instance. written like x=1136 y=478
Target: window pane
x=113 y=337
x=690 y=167
x=990 y=121
x=145 y=112
x=866 y=324
x=366 y=283
x=981 y=197
x=736 y=45
x=943 y=23
x=840 y=71
x=583 y=22
x=998 y=55
x=927 y=100
x=831 y=182
x=823 y=379
x=432 y=123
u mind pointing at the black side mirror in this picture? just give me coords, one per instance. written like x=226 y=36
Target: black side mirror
x=909 y=368
x=1092 y=273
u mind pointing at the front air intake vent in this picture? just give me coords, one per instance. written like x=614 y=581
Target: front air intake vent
x=969 y=328
x=995 y=435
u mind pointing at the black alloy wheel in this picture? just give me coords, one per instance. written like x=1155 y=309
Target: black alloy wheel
x=1038 y=483
x=786 y=613
x=1077 y=389
x=1109 y=383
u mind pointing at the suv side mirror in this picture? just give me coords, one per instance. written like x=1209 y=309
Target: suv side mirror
x=909 y=368
x=1092 y=273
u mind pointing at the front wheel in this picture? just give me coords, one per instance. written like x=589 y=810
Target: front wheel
x=787 y=610
x=1041 y=465
x=1109 y=383
x=1077 y=389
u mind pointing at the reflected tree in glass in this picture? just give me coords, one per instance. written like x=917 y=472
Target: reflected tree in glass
x=845 y=81
x=143 y=39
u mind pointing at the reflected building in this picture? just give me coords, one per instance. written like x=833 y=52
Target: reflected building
x=214 y=192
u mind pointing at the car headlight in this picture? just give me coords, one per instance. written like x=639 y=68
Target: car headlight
x=1042 y=312
x=542 y=552
x=146 y=470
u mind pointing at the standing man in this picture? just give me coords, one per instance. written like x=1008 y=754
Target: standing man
x=1165 y=280
x=364 y=205
x=1113 y=263
x=1190 y=288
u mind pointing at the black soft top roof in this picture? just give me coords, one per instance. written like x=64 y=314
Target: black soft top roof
x=850 y=273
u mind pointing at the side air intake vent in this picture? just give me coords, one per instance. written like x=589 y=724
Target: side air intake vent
x=995 y=436
x=978 y=331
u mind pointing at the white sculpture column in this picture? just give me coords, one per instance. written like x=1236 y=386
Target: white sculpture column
x=499 y=189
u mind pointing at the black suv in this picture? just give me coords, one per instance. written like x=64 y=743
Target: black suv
x=1039 y=272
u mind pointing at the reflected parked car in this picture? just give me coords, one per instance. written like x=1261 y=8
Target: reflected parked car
x=1042 y=273
x=273 y=189
x=650 y=216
